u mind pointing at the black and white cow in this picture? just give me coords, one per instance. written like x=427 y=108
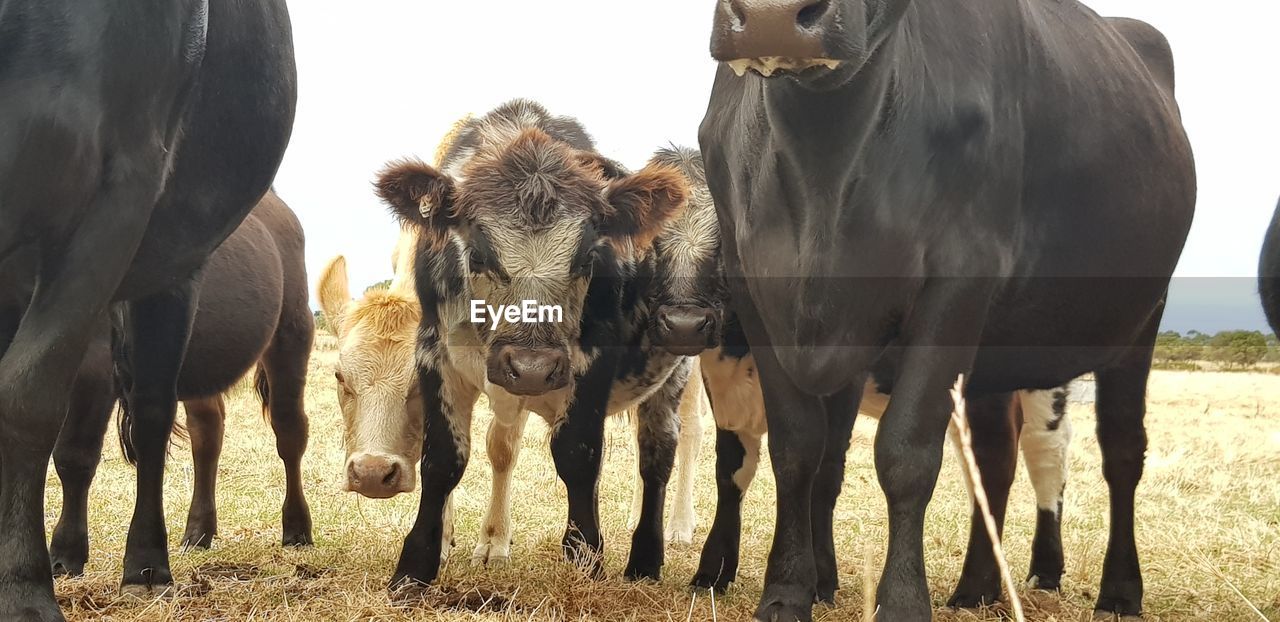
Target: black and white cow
x=524 y=209
x=919 y=190
x=689 y=260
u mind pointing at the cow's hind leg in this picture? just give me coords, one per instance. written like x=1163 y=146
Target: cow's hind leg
x=76 y=458
x=658 y=433
x=506 y=432
x=1045 y=441
x=683 y=516
x=157 y=330
x=842 y=410
x=446 y=449
x=281 y=382
x=737 y=457
x=205 y=422
x=995 y=449
x=1122 y=437
x=41 y=362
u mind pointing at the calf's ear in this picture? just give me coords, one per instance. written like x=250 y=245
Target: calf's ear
x=334 y=294
x=642 y=204
x=418 y=194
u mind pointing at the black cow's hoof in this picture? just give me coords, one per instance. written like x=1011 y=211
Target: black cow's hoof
x=972 y=600
x=297 y=540
x=149 y=591
x=786 y=603
x=28 y=601
x=643 y=569
x=586 y=558
x=147 y=583
x=1045 y=581
x=68 y=568
x=707 y=581
x=1122 y=598
x=196 y=542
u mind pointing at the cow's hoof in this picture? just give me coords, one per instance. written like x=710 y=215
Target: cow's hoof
x=642 y=571
x=1108 y=616
x=784 y=613
x=147 y=592
x=826 y=595
x=1122 y=599
x=404 y=583
x=786 y=603
x=67 y=566
x=28 y=602
x=715 y=584
x=680 y=535
x=1044 y=581
x=197 y=541
x=491 y=556
x=972 y=599
x=297 y=540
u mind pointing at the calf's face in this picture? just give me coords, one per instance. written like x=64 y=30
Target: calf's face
x=535 y=220
x=376 y=383
x=690 y=292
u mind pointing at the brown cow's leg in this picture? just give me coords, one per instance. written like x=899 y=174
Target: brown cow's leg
x=995 y=448
x=76 y=457
x=205 y=422
x=157 y=330
x=281 y=382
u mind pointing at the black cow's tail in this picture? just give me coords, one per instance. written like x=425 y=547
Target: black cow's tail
x=122 y=381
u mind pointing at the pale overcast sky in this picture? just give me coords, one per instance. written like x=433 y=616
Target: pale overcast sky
x=385 y=79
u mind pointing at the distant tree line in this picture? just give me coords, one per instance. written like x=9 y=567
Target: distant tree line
x=1233 y=349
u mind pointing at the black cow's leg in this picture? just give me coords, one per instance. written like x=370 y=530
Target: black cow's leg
x=206 y=423
x=658 y=434
x=576 y=449
x=737 y=456
x=446 y=448
x=1122 y=437
x=944 y=330
x=842 y=409
x=281 y=382
x=44 y=355
x=995 y=449
x=797 y=430
x=157 y=331
x=76 y=459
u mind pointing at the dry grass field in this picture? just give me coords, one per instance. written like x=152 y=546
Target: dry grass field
x=1209 y=527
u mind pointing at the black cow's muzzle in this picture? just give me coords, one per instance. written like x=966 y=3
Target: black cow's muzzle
x=772 y=36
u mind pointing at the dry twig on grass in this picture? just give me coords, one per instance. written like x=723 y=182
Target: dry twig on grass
x=963 y=437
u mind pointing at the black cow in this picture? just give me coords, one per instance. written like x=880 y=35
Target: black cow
x=1269 y=273
x=920 y=190
x=136 y=136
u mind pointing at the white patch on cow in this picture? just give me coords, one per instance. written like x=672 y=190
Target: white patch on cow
x=1044 y=450
x=750 y=461
x=734 y=385
x=447 y=541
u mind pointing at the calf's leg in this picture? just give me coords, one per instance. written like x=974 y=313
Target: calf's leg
x=446 y=449
x=206 y=419
x=737 y=457
x=658 y=433
x=505 y=435
x=1045 y=441
x=683 y=515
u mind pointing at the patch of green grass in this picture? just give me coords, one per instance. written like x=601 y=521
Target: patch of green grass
x=1209 y=527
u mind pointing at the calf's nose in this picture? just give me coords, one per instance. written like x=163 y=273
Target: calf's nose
x=686 y=330
x=765 y=28
x=527 y=371
x=376 y=477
